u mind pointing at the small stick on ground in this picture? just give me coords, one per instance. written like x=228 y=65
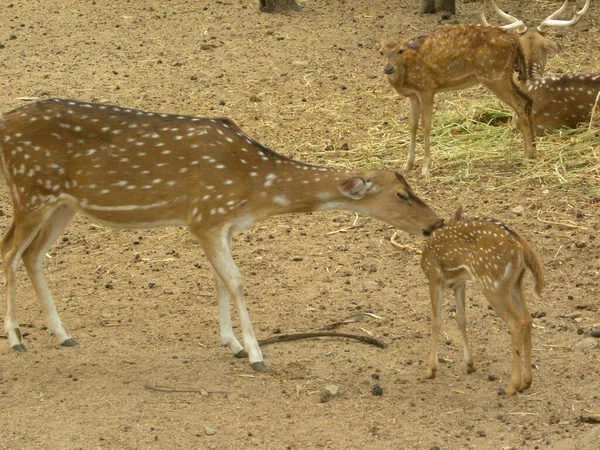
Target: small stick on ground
x=174 y=389
x=590 y=416
x=562 y=224
x=404 y=247
x=294 y=337
x=352 y=319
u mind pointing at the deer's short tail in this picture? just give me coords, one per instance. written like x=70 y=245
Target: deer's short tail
x=532 y=261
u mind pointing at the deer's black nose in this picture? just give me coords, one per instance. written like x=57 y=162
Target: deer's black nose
x=388 y=69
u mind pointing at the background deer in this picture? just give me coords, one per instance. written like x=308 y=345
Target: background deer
x=133 y=169
x=493 y=255
x=455 y=58
x=558 y=101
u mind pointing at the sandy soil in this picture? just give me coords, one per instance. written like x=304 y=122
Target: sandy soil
x=142 y=303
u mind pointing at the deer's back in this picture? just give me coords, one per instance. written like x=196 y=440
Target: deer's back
x=128 y=167
x=464 y=54
x=472 y=249
x=564 y=101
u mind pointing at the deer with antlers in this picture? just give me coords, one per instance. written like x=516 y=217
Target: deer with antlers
x=490 y=253
x=127 y=168
x=558 y=101
x=454 y=58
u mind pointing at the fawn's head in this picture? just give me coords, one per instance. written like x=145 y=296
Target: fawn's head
x=390 y=199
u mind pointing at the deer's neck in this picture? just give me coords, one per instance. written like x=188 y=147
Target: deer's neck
x=296 y=188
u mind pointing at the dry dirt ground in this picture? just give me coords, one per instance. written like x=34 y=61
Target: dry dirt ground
x=142 y=303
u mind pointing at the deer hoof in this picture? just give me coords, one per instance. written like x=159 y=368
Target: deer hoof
x=471 y=368
x=69 y=343
x=241 y=354
x=259 y=366
x=430 y=374
x=511 y=391
x=19 y=348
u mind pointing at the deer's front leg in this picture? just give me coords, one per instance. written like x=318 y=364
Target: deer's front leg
x=426 y=113
x=216 y=245
x=437 y=298
x=413 y=121
x=227 y=336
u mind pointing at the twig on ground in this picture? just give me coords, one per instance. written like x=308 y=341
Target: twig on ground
x=562 y=224
x=296 y=336
x=404 y=247
x=158 y=388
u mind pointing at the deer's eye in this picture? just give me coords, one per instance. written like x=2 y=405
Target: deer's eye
x=402 y=196
x=381 y=53
x=400 y=51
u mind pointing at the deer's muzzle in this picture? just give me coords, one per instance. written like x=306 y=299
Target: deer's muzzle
x=388 y=69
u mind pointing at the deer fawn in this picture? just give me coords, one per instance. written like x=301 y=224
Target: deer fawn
x=133 y=169
x=453 y=58
x=558 y=101
x=493 y=255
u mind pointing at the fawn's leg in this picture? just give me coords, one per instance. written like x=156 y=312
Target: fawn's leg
x=503 y=306
x=461 y=320
x=436 y=292
x=518 y=298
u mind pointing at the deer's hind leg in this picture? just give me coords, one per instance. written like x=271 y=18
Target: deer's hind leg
x=436 y=292
x=33 y=258
x=507 y=90
x=502 y=303
x=518 y=299
x=461 y=320
x=19 y=236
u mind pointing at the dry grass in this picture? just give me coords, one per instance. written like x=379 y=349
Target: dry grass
x=473 y=140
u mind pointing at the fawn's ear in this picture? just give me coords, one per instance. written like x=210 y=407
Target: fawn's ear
x=458 y=214
x=355 y=187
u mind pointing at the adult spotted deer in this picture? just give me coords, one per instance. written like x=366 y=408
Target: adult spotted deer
x=493 y=255
x=453 y=58
x=558 y=101
x=133 y=169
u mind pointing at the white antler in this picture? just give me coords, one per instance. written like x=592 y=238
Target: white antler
x=550 y=21
x=515 y=23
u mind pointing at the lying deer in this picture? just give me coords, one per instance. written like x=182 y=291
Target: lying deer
x=133 y=169
x=558 y=101
x=453 y=58
x=493 y=255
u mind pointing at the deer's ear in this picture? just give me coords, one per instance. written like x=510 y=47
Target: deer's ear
x=458 y=214
x=416 y=42
x=355 y=187
x=552 y=48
